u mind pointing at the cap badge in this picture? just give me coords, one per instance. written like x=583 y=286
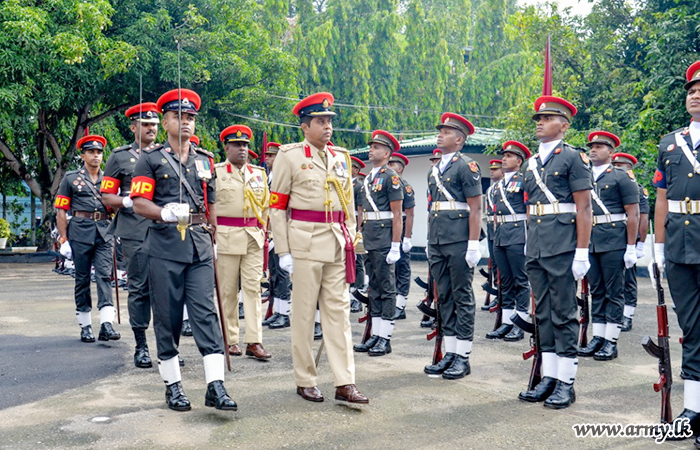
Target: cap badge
x=185 y=101
x=238 y=133
x=543 y=106
x=325 y=103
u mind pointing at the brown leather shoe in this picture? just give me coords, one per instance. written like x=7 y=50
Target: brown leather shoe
x=350 y=394
x=257 y=351
x=312 y=394
x=234 y=350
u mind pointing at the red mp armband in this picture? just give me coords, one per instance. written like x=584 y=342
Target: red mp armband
x=142 y=187
x=110 y=185
x=62 y=202
x=278 y=200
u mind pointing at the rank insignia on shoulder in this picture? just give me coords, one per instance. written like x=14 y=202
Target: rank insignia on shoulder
x=645 y=191
x=409 y=190
x=630 y=174
x=473 y=166
x=395 y=181
x=557 y=151
x=585 y=158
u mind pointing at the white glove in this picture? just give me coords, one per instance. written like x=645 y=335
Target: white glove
x=473 y=255
x=581 y=264
x=640 y=250
x=287 y=263
x=127 y=202
x=406 y=245
x=394 y=254
x=272 y=244
x=168 y=215
x=66 y=251
x=660 y=262
x=630 y=256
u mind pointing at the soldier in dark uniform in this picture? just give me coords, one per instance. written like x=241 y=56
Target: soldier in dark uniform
x=398 y=162
x=280 y=282
x=615 y=224
x=627 y=162
x=130 y=227
x=557 y=183
x=86 y=238
x=496 y=173
x=509 y=241
x=359 y=284
x=173 y=185
x=454 y=226
x=677 y=219
x=380 y=213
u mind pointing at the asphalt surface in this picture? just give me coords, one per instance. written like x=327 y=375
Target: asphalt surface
x=56 y=392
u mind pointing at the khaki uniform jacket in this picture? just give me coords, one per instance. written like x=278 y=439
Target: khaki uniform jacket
x=241 y=196
x=307 y=183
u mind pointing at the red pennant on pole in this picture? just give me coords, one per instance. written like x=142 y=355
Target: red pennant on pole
x=547 y=83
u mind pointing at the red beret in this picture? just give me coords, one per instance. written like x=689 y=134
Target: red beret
x=189 y=101
x=603 y=137
x=194 y=139
x=692 y=74
x=236 y=133
x=548 y=104
x=315 y=105
x=145 y=112
x=495 y=164
x=252 y=154
x=272 y=147
x=399 y=158
x=91 y=142
x=518 y=148
x=358 y=162
x=456 y=121
x=624 y=158
x=385 y=138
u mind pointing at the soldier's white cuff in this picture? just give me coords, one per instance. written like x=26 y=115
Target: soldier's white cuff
x=631 y=248
x=473 y=246
x=127 y=202
x=581 y=254
x=395 y=246
x=659 y=250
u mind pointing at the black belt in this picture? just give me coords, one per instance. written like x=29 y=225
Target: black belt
x=94 y=215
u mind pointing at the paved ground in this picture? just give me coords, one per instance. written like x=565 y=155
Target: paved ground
x=56 y=392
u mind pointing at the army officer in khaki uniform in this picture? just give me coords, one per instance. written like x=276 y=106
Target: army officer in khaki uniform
x=242 y=211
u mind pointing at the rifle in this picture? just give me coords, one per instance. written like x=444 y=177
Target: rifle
x=116 y=280
x=271 y=291
x=535 y=349
x=661 y=351
x=366 y=319
x=428 y=300
x=488 y=285
x=585 y=313
x=498 y=307
x=222 y=318
x=424 y=307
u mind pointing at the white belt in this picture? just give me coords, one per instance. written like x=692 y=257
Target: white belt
x=608 y=218
x=378 y=215
x=686 y=206
x=449 y=206
x=489 y=219
x=507 y=218
x=552 y=208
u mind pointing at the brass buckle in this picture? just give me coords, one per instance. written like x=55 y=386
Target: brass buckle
x=539 y=210
x=96 y=215
x=688 y=206
x=555 y=208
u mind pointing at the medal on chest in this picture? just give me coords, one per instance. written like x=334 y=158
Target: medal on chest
x=341 y=169
x=377 y=184
x=203 y=169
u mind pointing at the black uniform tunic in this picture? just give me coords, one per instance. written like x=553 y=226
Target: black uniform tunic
x=403 y=265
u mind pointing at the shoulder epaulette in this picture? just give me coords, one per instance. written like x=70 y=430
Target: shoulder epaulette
x=152 y=147
x=257 y=167
x=683 y=130
x=576 y=149
x=74 y=171
x=123 y=147
x=287 y=147
x=204 y=152
x=339 y=149
x=465 y=158
x=221 y=164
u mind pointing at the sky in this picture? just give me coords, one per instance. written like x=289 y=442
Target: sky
x=578 y=7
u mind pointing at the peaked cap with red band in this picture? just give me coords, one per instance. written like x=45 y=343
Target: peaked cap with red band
x=272 y=148
x=603 y=137
x=315 y=105
x=91 y=142
x=144 y=113
x=173 y=100
x=194 y=140
x=625 y=158
x=556 y=106
x=457 y=122
x=399 y=158
x=252 y=154
x=692 y=75
x=363 y=175
x=495 y=164
x=385 y=138
x=357 y=162
x=517 y=148
x=236 y=133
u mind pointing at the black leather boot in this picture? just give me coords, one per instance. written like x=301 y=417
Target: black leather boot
x=501 y=332
x=363 y=348
x=459 y=368
x=318 y=332
x=694 y=420
x=241 y=314
x=180 y=361
x=282 y=321
x=86 y=334
x=440 y=367
x=355 y=306
x=697 y=442
x=381 y=348
x=562 y=397
x=175 y=397
x=400 y=314
x=593 y=346
x=607 y=352
x=515 y=335
x=626 y=324
x=217 y=397
x=540 y=392
x=142 y=358
x=271 y=319
x=427 y=322
x=186 y=328
x=107 y=333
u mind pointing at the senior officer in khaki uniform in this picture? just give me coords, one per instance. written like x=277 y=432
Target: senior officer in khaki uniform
x=242 y=209
x=615 y=201
x=454 y=226
x=174 y=185
x=627 y=162
x=509 y=240
x=677 y=233
x=312 y=213
x=86 y=238
x=380 y=212
x=129 y=226
x=558 y=184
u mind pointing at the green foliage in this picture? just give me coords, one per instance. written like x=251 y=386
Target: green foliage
x=4 y=229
